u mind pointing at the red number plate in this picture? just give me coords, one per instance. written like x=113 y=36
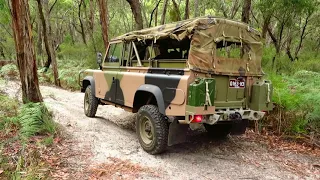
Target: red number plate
x=237 y=83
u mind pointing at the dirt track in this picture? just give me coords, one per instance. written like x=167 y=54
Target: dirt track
x=111 y=134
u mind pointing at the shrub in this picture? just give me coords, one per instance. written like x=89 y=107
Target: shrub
x=298 y=101
x=8 y=109
x=8 y=106
x=9 y=71
x=76 y=55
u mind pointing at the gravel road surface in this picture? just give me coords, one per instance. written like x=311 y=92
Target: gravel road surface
x=111 y=135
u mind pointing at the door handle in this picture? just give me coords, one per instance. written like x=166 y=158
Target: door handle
x=113 y=80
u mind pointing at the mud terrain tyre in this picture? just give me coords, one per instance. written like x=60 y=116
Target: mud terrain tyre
x=152 y=129
x=90 y=102
x=218 y=130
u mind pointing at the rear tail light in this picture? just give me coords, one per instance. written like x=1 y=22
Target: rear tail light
x=196 y=118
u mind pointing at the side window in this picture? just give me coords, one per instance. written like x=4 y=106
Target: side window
x=126 y=54
x=114 y=53
x=152 y=52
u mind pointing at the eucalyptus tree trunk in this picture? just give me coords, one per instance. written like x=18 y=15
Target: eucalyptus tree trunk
x=196 y=8
x=91 y=15
x=245 y=17
x=47 y=37
x=103 y=5
x=136 y=11
x=177 y=11
x=164 y=11
x=39 y=43
x=91 y=22
x=83 y=34
x=187 y=11
x=156 y=17
x=2 y=51
x=26 y=58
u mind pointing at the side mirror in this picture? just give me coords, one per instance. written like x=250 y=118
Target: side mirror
x=99 y=58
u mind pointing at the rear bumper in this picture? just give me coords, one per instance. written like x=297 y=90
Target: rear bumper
x=211 y=116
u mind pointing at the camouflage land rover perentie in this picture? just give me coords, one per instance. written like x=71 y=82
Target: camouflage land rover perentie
x=203 y=71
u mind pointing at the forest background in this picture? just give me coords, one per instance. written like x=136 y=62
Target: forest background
x=67 y=34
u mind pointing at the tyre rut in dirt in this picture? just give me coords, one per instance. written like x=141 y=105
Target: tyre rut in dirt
x=152 y=129
x=90 y=102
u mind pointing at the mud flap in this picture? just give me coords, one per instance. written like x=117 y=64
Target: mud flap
x=177 y=133
x=239 y=127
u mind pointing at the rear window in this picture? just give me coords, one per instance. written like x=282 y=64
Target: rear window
x=231 y=50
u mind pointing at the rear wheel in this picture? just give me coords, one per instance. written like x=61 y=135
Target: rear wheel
x=219 y=130
x=90 y=102
x=152 y=129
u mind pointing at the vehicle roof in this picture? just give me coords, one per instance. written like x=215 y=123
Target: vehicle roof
x=207 y=35
x=179 y=30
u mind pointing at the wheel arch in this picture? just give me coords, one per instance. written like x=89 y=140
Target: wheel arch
x=143 y=95
x=88 y=80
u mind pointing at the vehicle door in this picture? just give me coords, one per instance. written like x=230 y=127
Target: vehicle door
x=122 y=70
x=230 y=87
x=111 y=68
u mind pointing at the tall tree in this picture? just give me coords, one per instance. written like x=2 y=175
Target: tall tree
x=229 y=10
x=175 y=14
x=196 y=8
x=47 y=37
x=164 y=11
x=26 y=58
x=136 y=11
x=103 y=8
x=83 y=34
x=246 y=11
x=91 y=22
x=187 y=11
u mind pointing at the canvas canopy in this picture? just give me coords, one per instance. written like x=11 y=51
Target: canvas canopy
x=207 y=35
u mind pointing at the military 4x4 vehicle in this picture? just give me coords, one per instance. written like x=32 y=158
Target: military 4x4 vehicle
x=203 y=71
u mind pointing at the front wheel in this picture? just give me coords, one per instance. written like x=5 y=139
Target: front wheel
x=90 y=102
x=152 y=129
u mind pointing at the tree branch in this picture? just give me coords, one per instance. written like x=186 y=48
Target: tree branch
x=273 y=37
x=302 y=36
x=151 y=16
x=176 y=7
x=4 y=27
x=235 y=9
x=53 y=6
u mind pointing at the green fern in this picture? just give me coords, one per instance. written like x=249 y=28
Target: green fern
x=34 y=119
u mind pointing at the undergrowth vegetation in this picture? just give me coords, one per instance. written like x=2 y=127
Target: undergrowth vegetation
x=9 y=71
x=296 y=93
x=71 y=60
x=33 y=119
x=20 y=156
